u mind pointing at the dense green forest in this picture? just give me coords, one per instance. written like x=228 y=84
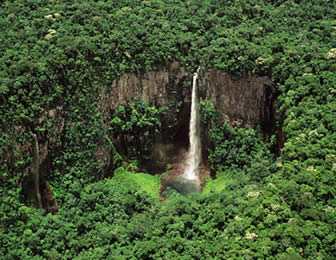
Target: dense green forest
x=57 y=57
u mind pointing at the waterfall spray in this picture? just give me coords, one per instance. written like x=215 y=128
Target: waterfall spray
x=194 y=153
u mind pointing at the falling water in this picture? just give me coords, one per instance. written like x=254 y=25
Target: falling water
x=194 y=153
x=36 y=167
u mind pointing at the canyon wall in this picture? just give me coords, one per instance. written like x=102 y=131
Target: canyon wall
x=244 y=102
x=160 y=87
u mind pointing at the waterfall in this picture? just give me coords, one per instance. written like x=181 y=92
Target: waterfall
x=36 y=169
x=194 y=153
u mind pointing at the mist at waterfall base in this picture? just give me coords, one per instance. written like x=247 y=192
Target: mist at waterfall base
x=190 y=181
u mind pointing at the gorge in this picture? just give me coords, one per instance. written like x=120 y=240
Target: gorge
x=241 y=102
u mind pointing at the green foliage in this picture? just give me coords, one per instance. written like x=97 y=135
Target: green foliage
x=214 y=186
x=57 y=56
x=142 y=182
x=239 y=148
x=91 y=216
x=135 y=126
x=235 y=148
x=208 y=113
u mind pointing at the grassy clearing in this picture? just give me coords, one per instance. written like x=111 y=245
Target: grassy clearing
x=143 y=181
x=214 y=186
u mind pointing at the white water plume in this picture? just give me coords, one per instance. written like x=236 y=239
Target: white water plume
x=194 y=153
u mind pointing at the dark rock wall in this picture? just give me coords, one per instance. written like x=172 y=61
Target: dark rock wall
x=243 y=102
x=158 y=87
x=167 y=86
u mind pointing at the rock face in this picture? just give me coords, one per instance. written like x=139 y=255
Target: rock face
x=166 y=86
x=158 y=87
x=243 y=102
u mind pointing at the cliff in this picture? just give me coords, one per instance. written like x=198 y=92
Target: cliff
x=243 y=102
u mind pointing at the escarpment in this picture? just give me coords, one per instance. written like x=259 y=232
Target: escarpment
x=244 y=102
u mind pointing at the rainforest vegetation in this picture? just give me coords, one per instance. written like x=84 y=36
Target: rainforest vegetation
x=268 y=200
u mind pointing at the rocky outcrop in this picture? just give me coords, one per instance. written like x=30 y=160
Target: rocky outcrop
x=281 y=139
x=39 y=147
x=57 y=116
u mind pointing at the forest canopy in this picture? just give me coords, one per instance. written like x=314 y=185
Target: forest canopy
x=57 y=57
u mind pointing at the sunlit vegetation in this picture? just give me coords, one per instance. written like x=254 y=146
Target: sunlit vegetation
x=57 y=57
x=142 y=182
